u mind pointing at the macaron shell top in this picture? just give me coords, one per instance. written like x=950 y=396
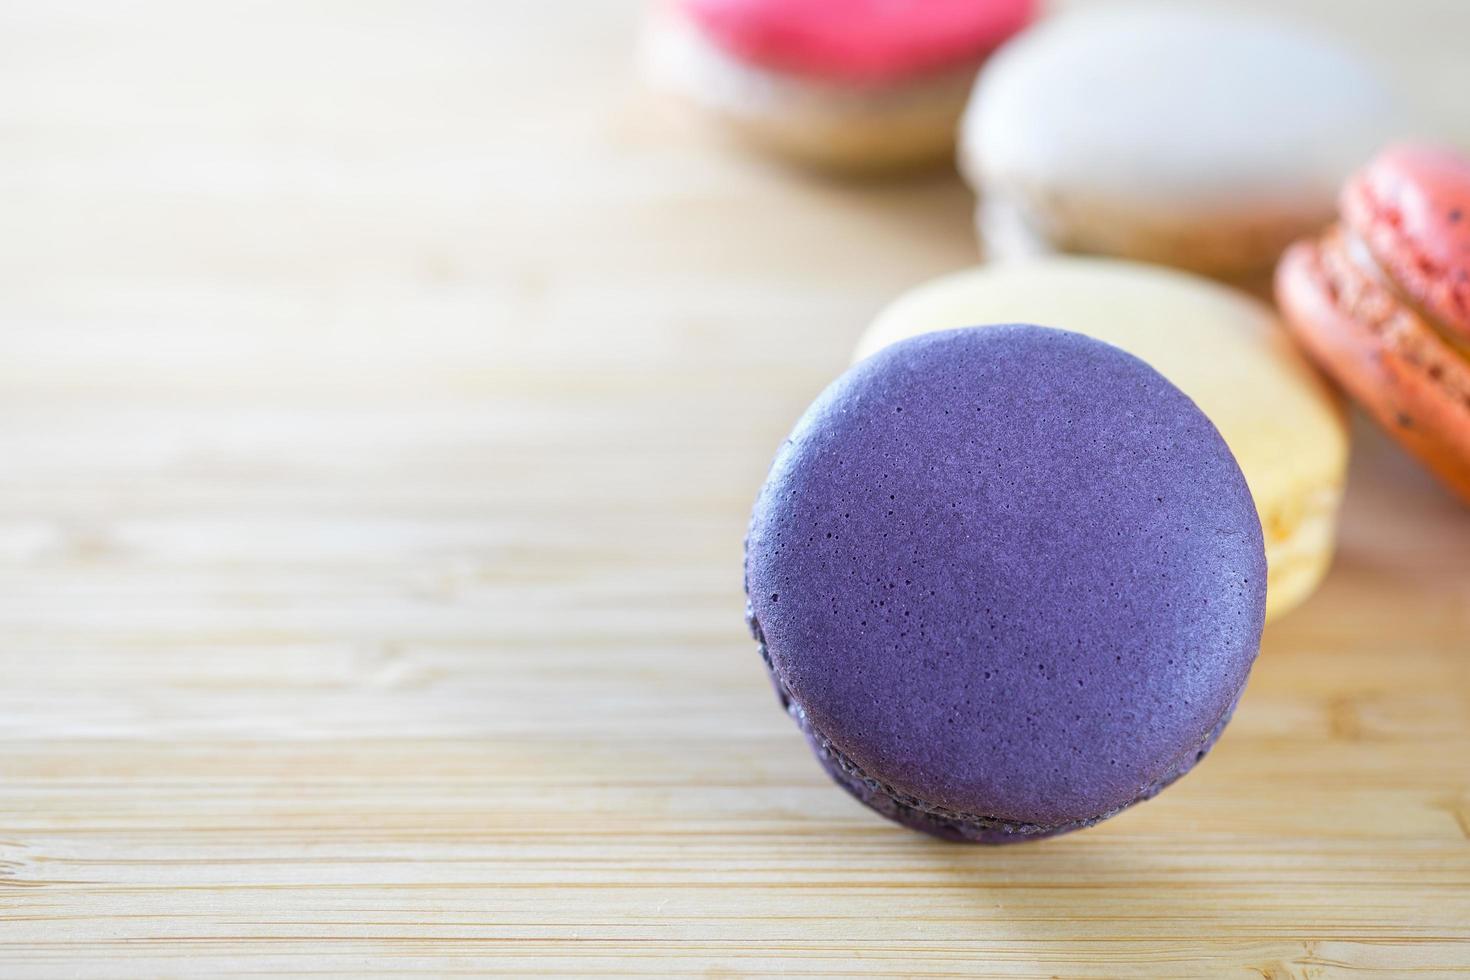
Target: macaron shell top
x=1222 y=348
x=1411 y=206
x=1165 y=109
x=860 y=41
x=1009 y=571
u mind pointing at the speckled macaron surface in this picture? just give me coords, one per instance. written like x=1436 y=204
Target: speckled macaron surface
x=1010 y=580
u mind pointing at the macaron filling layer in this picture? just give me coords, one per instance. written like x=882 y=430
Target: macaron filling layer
x=1360 y=253
x=1362 y=289
x=1015 y=219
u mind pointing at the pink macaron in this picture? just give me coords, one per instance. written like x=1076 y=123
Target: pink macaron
x=851 y=85
x=1382 y=301
x=1412 y=209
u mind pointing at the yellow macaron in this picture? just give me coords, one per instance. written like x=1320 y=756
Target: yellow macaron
x=1224 y=349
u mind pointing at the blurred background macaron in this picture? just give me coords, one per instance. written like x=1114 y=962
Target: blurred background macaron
x=1202 y=138
x=1226 y=350
x=862 y=86
x=1382 y=301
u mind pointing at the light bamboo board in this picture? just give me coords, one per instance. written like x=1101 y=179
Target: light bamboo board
x=383 y=388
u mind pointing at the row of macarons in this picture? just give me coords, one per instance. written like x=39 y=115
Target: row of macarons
x=1010 y=571
x=1195 y=136
x=1379 y=300
x=1009 y=580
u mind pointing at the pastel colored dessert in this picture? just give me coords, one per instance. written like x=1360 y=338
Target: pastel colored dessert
x=1009 y=581
x=1207 y=139
x=1225 y=350
x=1382 y=302
x=848 y=85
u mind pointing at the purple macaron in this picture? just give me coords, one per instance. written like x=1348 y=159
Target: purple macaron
x=1008 y=580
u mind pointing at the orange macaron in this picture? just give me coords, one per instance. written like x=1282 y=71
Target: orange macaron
x=1382 y=301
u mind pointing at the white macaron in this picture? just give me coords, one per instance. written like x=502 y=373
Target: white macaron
x=1202 y=138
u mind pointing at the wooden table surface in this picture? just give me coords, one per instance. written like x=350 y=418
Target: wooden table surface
x=383 y=390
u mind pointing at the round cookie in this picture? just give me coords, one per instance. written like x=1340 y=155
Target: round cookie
x=861 y=86
x=1201 y=138
x=1008 y=580
x=1225 y=350
x=1382 y=302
